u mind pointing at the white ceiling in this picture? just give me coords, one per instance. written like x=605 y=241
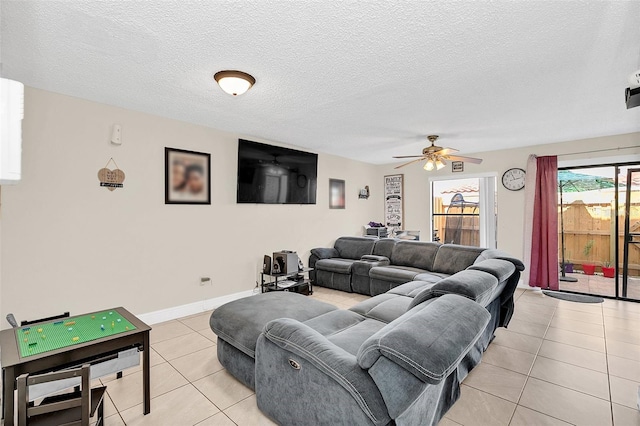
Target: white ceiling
x=364 y=80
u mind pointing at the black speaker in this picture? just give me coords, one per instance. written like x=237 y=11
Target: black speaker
x=266 y=265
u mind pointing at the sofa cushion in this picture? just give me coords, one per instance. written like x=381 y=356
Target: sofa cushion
x=415 y=254
x=431 y=277
x=354 y=247
x=410 y=289
x=476 y=285
x=384 y=247
x=396 y=274
x=501 y=269
x=448 y=327
x=452 y=258
x=384 y=307
x=240 y=322
x=344 y=328
x=338 y=265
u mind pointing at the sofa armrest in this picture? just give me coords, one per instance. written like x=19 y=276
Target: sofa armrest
x=374 y=258
x=430 y=340
x=322 y=253
x=317 y=254
x=305 y=348
x=478 y=286
x=499 y=254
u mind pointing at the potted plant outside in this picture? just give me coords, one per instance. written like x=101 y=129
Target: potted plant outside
x=588 y=268
x=568 y=267
x=607 y=270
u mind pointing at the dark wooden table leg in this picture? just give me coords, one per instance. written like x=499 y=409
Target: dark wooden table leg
x=8 y=382
x=146 y=374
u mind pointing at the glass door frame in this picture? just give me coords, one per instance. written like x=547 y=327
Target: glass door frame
x=633 y=165
x=488 y=221
x=628 y=235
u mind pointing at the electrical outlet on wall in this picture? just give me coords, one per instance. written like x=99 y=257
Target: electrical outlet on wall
x=205 y=280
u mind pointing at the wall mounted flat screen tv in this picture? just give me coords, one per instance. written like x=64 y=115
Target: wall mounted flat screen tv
x=274 y=175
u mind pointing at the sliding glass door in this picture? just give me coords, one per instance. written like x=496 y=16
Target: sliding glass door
x=599 y=230
x=630 y=282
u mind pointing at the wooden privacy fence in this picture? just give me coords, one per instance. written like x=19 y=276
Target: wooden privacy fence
x=596 y=222
x=464 y=230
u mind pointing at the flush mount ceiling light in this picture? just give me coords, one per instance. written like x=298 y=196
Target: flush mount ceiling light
x=234 y=82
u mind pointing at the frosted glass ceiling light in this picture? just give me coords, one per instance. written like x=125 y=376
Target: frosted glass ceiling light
x=234 y=82
x=440 y=163
x=429 y=165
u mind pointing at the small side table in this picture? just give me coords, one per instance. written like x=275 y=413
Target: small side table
x=303 y=286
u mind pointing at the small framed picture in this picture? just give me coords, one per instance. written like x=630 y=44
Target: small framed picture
x=187 y=177
x=336 y=194
x=457 y=166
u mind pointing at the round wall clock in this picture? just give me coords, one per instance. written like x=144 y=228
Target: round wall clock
x=513 y=179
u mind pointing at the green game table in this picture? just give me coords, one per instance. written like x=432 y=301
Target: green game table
x=54 y=345
x=49 y=336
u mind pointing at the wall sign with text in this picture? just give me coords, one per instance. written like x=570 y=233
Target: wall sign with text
x=394 y=201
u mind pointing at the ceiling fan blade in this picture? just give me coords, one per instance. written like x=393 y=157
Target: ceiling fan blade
x=410 y=162
x=465 y=159
x=408 y=156
x=446 y=151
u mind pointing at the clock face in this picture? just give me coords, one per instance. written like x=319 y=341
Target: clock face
x=513 y=179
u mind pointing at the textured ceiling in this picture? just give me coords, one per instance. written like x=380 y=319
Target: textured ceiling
x=364 y=80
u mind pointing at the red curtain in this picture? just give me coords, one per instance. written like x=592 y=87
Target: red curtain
x=544 y=238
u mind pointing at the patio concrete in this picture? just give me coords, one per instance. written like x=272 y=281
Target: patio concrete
x=601 y=286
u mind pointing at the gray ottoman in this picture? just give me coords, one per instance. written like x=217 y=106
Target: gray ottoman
x=238 y=325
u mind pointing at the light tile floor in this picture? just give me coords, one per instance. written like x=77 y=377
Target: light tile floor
x=558 y=363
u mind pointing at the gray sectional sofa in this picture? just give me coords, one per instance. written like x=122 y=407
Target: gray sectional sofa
x=372 y=267
x=396 y=358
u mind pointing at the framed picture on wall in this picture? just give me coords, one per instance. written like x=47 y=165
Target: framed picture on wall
x=336 y=194
x=187 y=177
x=394 y=201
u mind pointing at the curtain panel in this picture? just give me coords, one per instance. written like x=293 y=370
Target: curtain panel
x=544 y=234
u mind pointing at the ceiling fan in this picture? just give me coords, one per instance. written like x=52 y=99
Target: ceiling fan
x=436 y=156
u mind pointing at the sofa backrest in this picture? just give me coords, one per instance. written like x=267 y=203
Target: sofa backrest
x=384 y=247
x=452 y=258
x=354 y=247
x=416 y=254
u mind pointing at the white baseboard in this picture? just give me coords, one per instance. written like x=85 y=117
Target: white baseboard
x=191 y=308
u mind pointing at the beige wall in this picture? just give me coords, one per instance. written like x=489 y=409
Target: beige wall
x=68 y=244
x=510 y=203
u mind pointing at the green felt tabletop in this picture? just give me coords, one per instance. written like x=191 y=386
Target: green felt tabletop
x=49 y=336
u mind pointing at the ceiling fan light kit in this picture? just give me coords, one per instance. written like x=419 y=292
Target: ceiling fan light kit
x=234 y=82
x=436 y=156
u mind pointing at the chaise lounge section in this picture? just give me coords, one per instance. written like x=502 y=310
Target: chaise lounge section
x=394 y=358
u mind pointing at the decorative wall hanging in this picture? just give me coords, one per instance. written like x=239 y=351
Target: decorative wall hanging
x=111 y=179
x=394 y=201
x=457 y=166
x=187 y=177
x=336 y=194
x=364 y=193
